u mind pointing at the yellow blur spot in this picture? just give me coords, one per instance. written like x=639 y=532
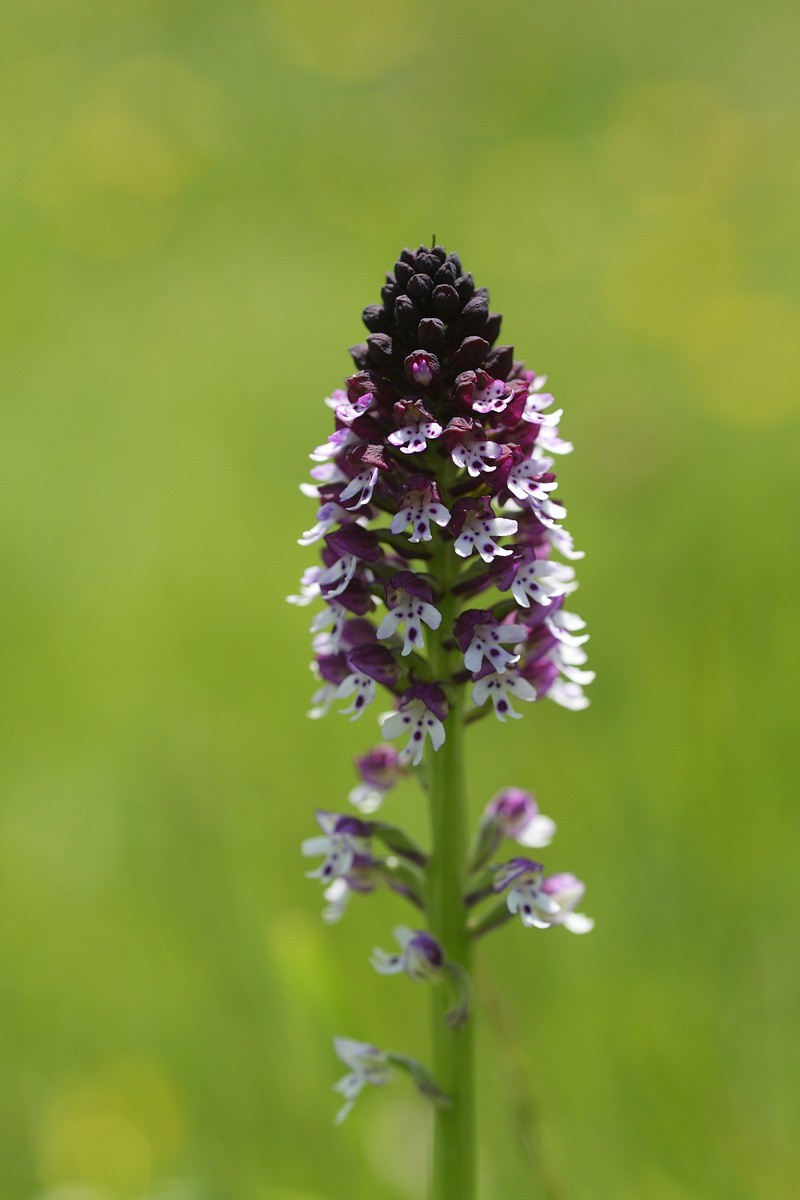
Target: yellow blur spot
x=150 y=125
x=116 y=1131
x=349 y=40
x=119 y=150
x=397 y=1140
x=144 y=131
x=745 y=355
x=656 y=283
x=302 y=959
x=529 y=205
x=88 y=1141
x=337 y=193
x=675 y=148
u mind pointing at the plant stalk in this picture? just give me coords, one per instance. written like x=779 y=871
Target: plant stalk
x=454 y=1148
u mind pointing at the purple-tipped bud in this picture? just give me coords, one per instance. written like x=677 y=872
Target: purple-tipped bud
x=380 y=770
x=421 y=369
x=518 y=818
x=380 y=767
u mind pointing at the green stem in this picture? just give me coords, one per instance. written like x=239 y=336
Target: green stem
x=454 y=1133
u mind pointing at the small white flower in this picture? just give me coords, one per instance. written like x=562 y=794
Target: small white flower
x=536 y=403
x=309 y=588
x=413 y=438
x=333 y=615
x=415 y=719
x=562 y=541
x=337 y=897
x=345 y=842
x=548 y=439
x=477 y=454
x=500 y=688
x=568 y=695
x=327 y=516
x=478 y=533
x=366 y=798
x=487 y=642
x=493 y=397
x=565 y=626
x=368 y=1065
x=569 y=659
x=524 y=480
x=408 y=610
x=335 y=578
x=360 y=488
x=542 y=902
x=421 y=956
x=362 y=688
x=540 y=580
x=336 y=443
x=322 y=700
x=327 y=473
x=418 y=512
x=347 y=412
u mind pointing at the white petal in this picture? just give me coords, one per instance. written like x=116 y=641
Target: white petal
x=310 y=847
x=386 y=964
x=568 y=695
x=431 y=616
x=436 y=734
x=390 y=623
x=503 y=526
x=395 y=724
x=577 y=923
x=539 y=831
x=520 y=687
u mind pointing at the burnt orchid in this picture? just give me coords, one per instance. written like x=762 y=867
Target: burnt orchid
x=441 y=590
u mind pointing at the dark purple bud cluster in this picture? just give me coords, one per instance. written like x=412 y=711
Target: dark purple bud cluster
x=440 y=438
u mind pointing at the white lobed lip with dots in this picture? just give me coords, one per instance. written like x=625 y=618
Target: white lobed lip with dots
x=419 y=723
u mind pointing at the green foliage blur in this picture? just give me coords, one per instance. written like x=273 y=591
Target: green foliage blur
x=196 y=201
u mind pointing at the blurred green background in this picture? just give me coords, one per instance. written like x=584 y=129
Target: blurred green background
x=196 y=200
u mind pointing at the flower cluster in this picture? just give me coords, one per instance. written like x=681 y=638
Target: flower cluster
x=441 y=543
x=440 y=434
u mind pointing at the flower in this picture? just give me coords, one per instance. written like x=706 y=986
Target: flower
x=408 y=599
x=471 y=449
x=368 y=1065
x=518 y=818
x=345 y=845
x=421 y=505
x=416 y=427
x=421 y=714
x=481 y=636
x=369 y=666
x=421 y=957
x=542 y=901
x=500 y=687
x=380 y=770
x=475 y=527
